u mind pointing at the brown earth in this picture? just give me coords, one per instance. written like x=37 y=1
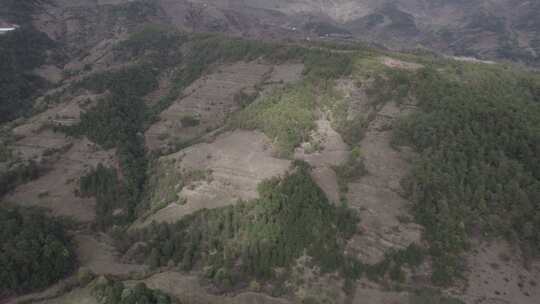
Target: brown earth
x=368 y=293
x=56 y=189
x=236 y=161
x=97 y=254
x=497 y=275
x=187 y=289
x=209 y=100
x=334 y=152
x=377 y=195
x=400 y=64
x=76 y=296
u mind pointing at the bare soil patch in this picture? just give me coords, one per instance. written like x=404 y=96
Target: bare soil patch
x=188 y=290
x=34 y=146
x=366 y=293
x=208 y=100
x=400 y=64
x=164 y=86
x=286 y=73
x=377 y=195
x=55 y=190
x=497 y=274
x=78 y=296
x=97 y=253
x=47 y=295
x=36 y=136
x=471 y=59
x=50 y=72
x=331 y=151
x=308 y=283
x=236 y=162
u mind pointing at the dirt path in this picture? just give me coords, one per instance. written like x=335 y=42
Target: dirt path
x=333 y=153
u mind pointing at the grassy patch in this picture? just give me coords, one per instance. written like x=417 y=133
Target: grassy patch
x=164 y=184
x=286 y=116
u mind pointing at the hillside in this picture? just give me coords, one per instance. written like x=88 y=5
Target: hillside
x=172 y=165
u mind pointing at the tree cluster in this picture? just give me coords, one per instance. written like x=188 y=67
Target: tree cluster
x=34 y=252
x=292 y=217
x=103 y=184
x=479 y=169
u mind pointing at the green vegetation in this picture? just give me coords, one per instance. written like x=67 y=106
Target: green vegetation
x=136 y=80
x=118 y=121
x=34 y=252
x=249 y=240
x=393 y=263
x=322 y=65
x=186 y=56
x=286 y=116
x=16 y=174
x=137 y=11
x=189 y=121
x=110 y=195
x=391 y=84
x=164 y=183
x=159 y=45
x=479 y=170
x=21 y=51
x=115 y=292
x=192 y=54
x=350 y=170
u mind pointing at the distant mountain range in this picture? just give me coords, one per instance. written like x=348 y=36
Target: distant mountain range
x=494 y=29
x=486 y=29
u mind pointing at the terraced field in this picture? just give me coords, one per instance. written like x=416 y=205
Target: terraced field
x=233 y=165
x=208 y=101
x=57 y=188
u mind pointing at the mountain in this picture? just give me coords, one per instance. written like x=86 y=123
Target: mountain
x=171 y=151
x=501 y=29
x=492 y=30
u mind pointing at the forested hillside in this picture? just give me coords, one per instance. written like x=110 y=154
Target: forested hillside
x=478 y=138
x=199 y=167
x=291 y=218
